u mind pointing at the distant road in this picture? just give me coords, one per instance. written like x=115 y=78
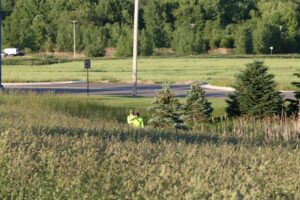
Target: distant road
x=144 y=90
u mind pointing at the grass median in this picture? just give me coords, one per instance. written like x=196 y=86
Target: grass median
x=216 y=71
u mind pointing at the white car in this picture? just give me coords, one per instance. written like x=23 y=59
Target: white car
x=13 y=52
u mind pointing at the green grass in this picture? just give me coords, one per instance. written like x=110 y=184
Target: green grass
x=74 y=147
x=145 y=102
x=216 y=71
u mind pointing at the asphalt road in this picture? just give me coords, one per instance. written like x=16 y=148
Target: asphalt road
x=144 y=90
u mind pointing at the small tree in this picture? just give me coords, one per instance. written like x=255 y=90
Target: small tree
x=166 y=110
x=197 y=107
x=255 y=93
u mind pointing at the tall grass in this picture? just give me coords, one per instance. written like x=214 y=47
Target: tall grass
x=63 y=147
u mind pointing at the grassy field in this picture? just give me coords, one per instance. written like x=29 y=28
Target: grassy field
x=216 y=71
x=73 y=147
x=145 y=102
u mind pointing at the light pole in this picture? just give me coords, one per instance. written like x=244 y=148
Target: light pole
x=271 y=48
x=135 y=46
x=74 y=34
x=1 y=86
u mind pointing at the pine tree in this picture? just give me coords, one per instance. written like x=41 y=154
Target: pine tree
x=233 y=110
x=256 y=93
x=197 y=107
x=294 y=103
x=166 y=110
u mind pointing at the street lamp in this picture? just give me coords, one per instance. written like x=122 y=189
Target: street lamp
x=74 y=33
x=135 y=46
x=271 y=48
x=1 y=86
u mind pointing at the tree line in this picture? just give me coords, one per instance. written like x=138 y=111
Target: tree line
x=187 y=26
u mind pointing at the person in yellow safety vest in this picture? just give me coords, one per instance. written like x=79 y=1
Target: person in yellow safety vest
x=130 y=117
x=137 y=121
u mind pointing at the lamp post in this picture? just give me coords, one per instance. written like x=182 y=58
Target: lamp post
x=1 y=86
x=74 y=34
x=135 y=46
x=271 y=48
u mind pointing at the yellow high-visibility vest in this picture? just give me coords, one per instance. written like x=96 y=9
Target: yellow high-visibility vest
x=138 y=122
x=129 y=119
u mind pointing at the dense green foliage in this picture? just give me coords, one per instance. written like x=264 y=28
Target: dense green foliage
x=255 y=93
x=294 y=104
x=68 y=147
x=189 y=27
x=196 y=108
x=166 y=110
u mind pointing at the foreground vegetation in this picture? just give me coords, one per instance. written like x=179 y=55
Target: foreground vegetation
x=216 y=71
x=63 y=147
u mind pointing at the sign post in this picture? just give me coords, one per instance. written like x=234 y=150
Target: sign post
x=87 y=66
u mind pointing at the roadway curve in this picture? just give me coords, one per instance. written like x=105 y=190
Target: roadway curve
x=147 y=90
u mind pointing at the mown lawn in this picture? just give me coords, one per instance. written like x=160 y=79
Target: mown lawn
x=216 y=71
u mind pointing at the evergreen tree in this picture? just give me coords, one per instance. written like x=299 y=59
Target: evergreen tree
x=233 y=110
x=166 y=110
x=197 y=107
x=256 y=93
x=294 y=103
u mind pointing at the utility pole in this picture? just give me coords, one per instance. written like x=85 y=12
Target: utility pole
x=135 y=46
x=74 y=34
x=1 y=86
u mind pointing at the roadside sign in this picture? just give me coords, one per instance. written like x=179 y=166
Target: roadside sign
x=87 y=64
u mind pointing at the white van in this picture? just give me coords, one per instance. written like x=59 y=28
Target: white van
x=13 y=52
